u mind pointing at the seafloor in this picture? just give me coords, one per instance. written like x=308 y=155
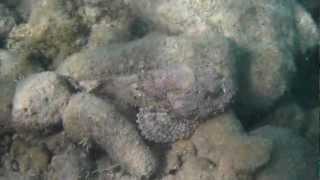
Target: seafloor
x=159 y=89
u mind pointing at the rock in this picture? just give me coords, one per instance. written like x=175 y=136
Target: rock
x=12 y=69
x=304 y=122
x=53 y=32
x=312 y=132
x=292 y=159
x=108 y=170
x=71 y=164
x=22 y=7
x=265 y=31
x=7 y=21
x=289 y=115
x=56 y=143
x=26 y=161
x=88 y=118
x=173 y=80
x=223 y=141
x=96 y=11
x=38 y=102
x=180 y=152
x=106 y=33
x=312 y=6
x=194 y=168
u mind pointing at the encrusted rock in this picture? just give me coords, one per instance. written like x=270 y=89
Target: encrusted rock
x=292 y=159
x=53 y=31
x=38 y=102
x=72 y=164
x=7 y=21
x=89 y=118
x=223 y=141
x=106 y=33
x=194 y=168
x=13 y=68
x=25 y=161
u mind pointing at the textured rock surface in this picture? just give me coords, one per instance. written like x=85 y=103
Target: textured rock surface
x=293 y=158
x=89 y=118
x=312 y=6
x=167 y=71
x=173 y=80
x=194 y=168
x=106 y=33
x=25 y=161
x=12 y=69
x=304 y=122
x=289 y=115
x=219 y=149
x=38 y=102
x=71 y=164
x=7 y=21
x=313 y=131
x=235 y=153
x=52 y=32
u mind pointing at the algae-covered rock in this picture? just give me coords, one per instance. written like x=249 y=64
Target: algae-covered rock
x=7 y=21
x=95 y=11
x=38 y=102
x=106 y=33
x=291 y=115
x=178 y=153
x=293 y=158
x=72 y=164
x=195 y=168
x=53 y=31
x=88 y=118
x=223 y=141
x=312 y=132
x=13 y=68
x=173 y=80
x=26 y=160
x=312 y=6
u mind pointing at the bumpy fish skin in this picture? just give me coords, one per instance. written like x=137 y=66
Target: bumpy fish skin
x=187 y=80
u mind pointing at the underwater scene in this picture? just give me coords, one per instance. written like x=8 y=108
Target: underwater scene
x=159 y=90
